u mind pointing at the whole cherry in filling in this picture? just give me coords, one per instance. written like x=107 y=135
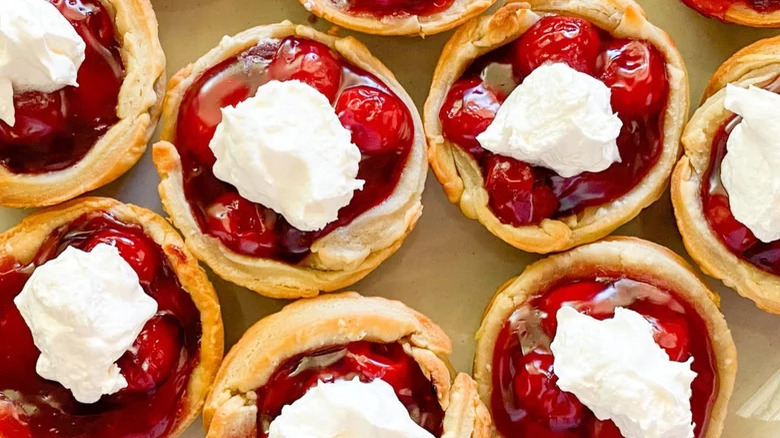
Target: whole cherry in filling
x=381 y=125
x=635 y=72
x=157 y=368
x=526 y=401
x=54 y=131
x=365 y=360
x=384 y=8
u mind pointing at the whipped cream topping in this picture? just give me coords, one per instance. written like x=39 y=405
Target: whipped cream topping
x=347 y=409
x=85 y=310
x=39 y=51
x=286 y=149
x=558 y=118
x=615 y=368
x=749 y=168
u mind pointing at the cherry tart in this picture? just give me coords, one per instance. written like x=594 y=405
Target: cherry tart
x=398 y=17
x=250 y=244
x=513 y=366
x=753 y=13
x=722 y=246
x=530 y=207
x=174 y=359
x=342 y=337
x=77 y=139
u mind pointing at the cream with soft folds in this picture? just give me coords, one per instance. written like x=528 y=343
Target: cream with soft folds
x=85 y=310
x=39 y=51
x=286 y=149
x=558 y=118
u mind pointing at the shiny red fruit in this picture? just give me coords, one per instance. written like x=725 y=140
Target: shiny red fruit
x=372 y=366
x=96 y=103
x=379 y=122
x=13 y=420
x=467 y=111
x=242 y=225
x=139 y=251
x=736 y=236
x=154 y=355
x=582 y=296
x=635 y=71
x=515 y=197
x=670 y=329
x=536 y=390
x=603 y=429
x=310 y=62
x=39 y=118
x=573 y=41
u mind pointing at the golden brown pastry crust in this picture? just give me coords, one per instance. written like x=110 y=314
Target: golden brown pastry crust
x=23 y=241
x=330 y=320
x=741 y=13
x=410 y=25
x=460 y=174
x=138 y=110
x=338 y=259
x=636 y=259
x=757 y=64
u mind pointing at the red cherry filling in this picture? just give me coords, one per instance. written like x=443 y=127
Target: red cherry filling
x=153 y=357
x=719 y=8
x=715 y=202
x=635 y=72
x=53 y=131
x=13 y=420
x=157 y=368
x=572 y=41
x=365 y=360
x=381 y=127
x=384 y=8
x=526 y=400
x=378 y=121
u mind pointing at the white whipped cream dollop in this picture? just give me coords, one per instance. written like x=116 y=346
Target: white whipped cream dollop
x=749 y=169
x=347 y=409
x=286 y=149
x=558 y=118
x=85 y=310
x=615 y=368
x=39 y=51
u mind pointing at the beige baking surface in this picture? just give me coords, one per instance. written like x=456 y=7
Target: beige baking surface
x=450 y=266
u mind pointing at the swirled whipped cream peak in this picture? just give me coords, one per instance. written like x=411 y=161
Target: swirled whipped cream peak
x=557 y=118
x=347 y=409
x=85 y=310
x=749 y=170
x=615 y=368
x=286 y=149
x=39 y=51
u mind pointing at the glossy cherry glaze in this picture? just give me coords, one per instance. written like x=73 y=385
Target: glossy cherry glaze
x=385 y=8
x=634 y=70
x=715 y=202
x=380 y=123
x=719 y=8
x=526 y=401
x=157 y=368
x=54 y=131
x=367 y=361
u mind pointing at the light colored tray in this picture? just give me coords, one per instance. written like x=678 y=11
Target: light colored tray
x=450 y=266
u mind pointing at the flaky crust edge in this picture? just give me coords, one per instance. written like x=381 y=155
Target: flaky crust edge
x=22 y=242
x=383 y=227
x=138 y=109
x=460 y=175
x=637 y=258
x=408 y=25
x=337 y=319
x=756 y=64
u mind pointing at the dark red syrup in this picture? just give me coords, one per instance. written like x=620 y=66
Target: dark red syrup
x=158 y=367
x=385 y=8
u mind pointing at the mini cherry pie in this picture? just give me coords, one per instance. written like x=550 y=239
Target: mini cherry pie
x=173 y=361
x=533 y=208
x=721 y=245
x=342 y=337
x=753 y=13
x=77 y=139
x=398 y=17
x=514 y=362
x=250 y=244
